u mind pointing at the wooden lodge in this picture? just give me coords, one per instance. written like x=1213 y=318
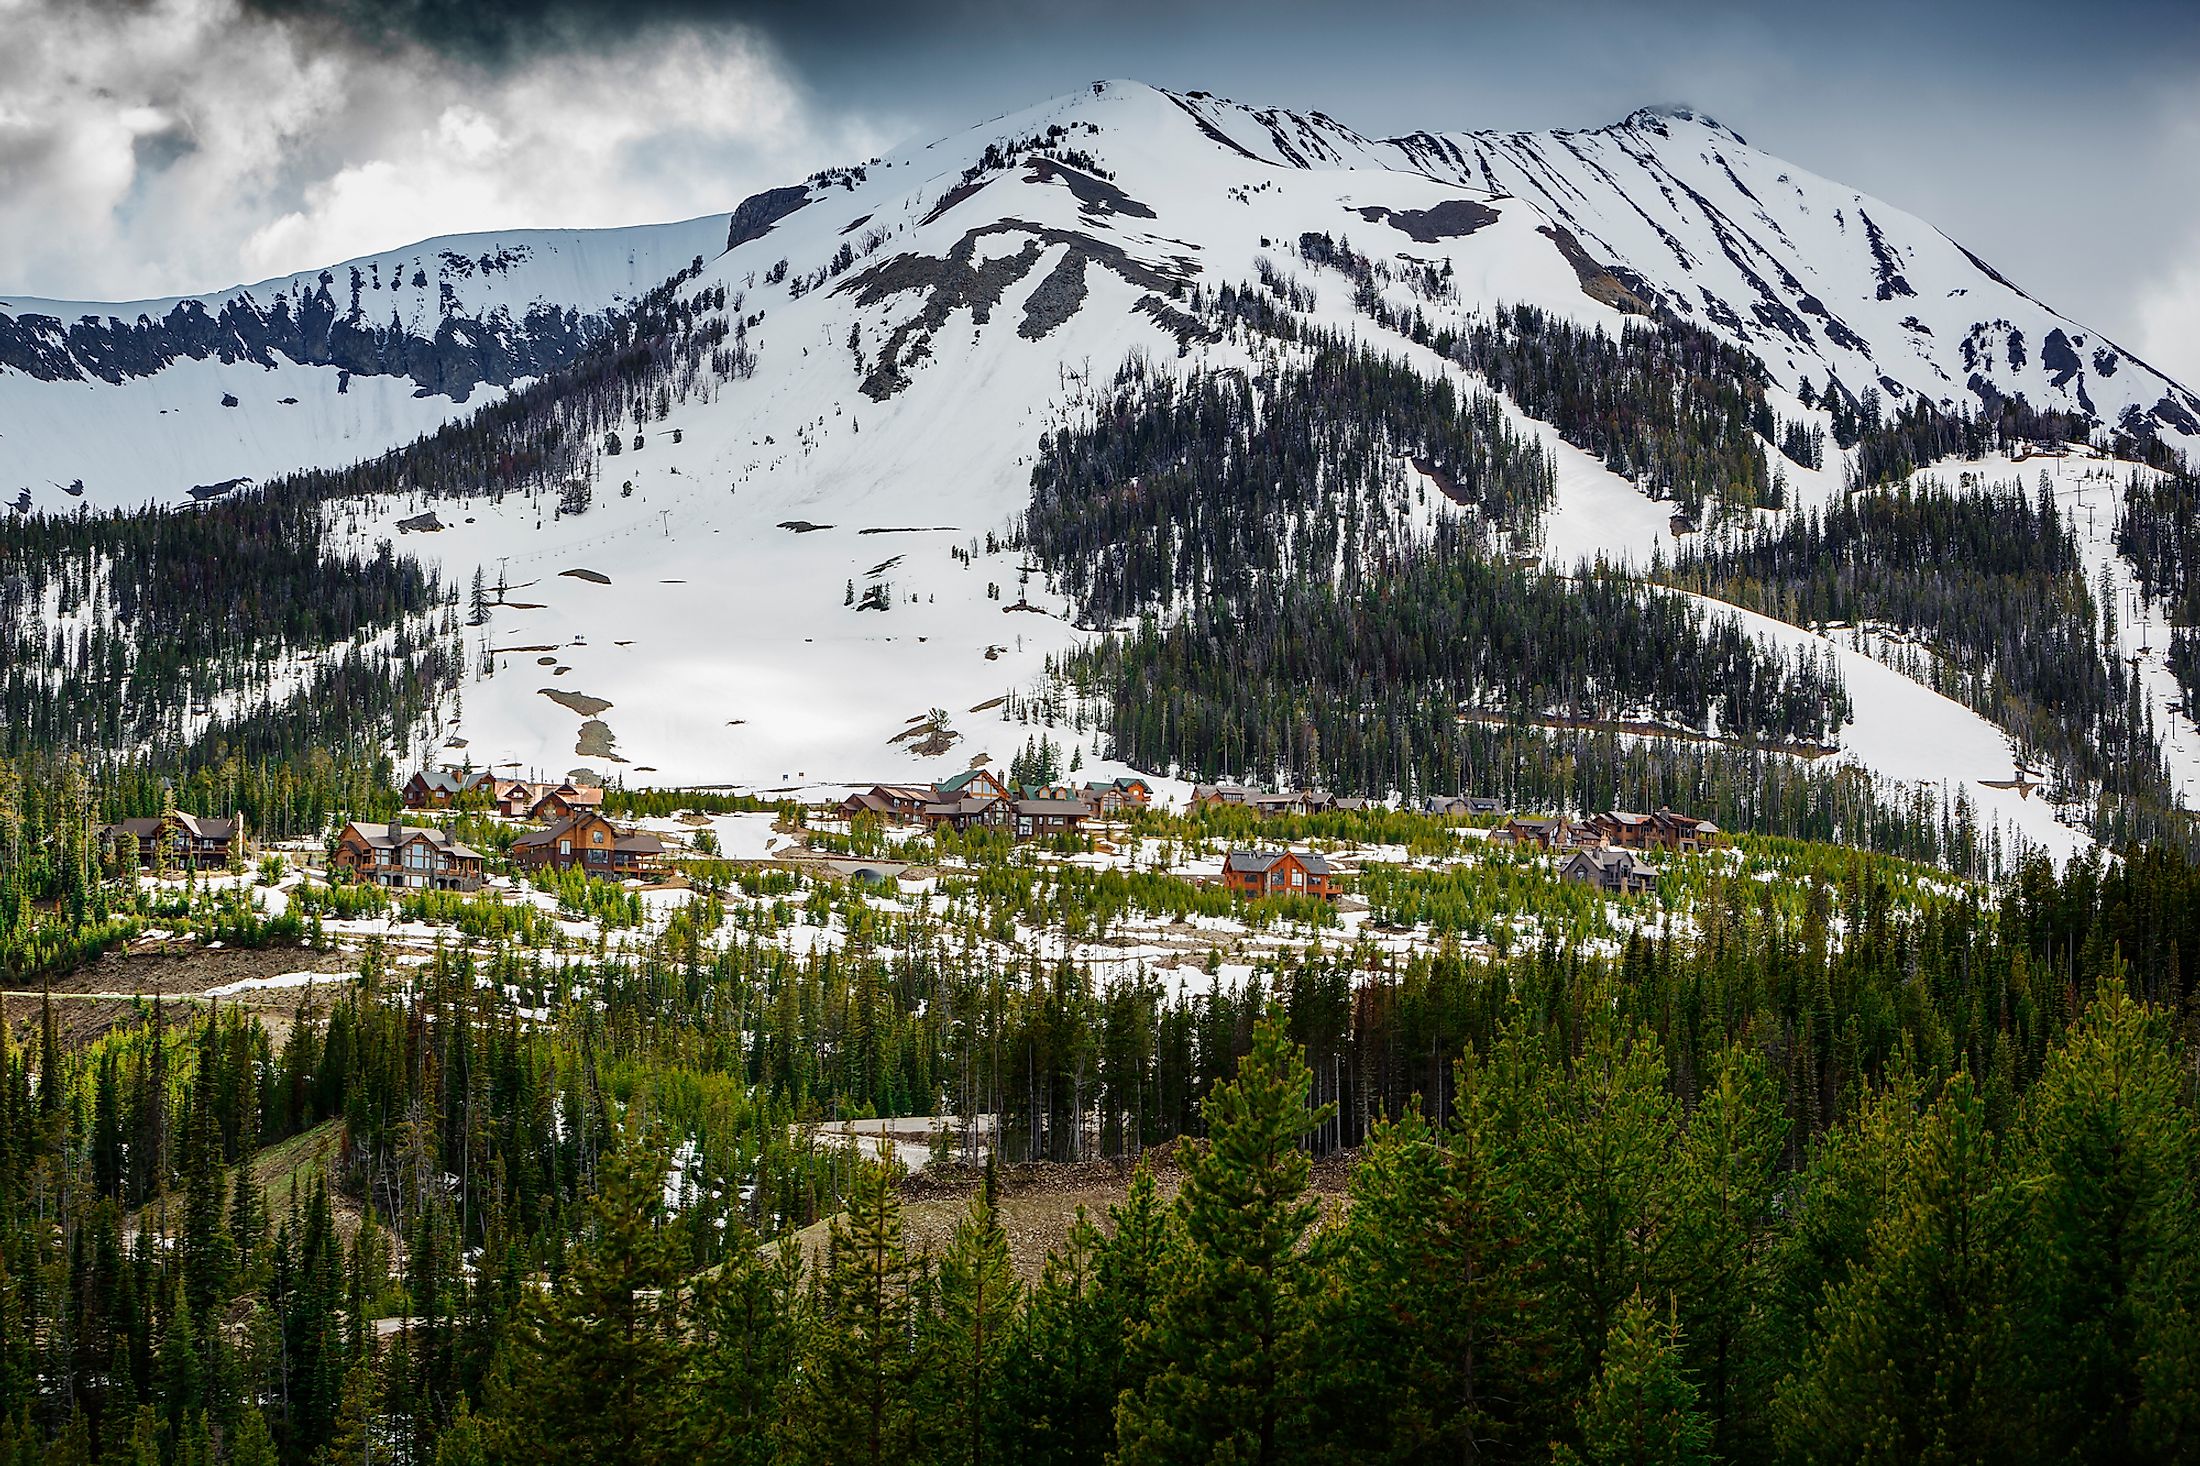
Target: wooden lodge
x=979 y=811
x=1266 y=804
x=1117 y=795
x=442 y=788
x=544 y=801
x=1041 y=819
x=889 y=802
x=1615 y=872
x=587 y=841
x=1253 y=873
x=407 y=857
x=174 y=842
x=1661 y=829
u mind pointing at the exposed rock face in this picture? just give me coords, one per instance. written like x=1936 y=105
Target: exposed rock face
x=1451 y=219
x=754 y=218
x=312 y=329
x=959 y=280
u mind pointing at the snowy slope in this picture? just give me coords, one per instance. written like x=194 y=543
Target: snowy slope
x=149 y=399
x=919 y=322
x=1818 y=279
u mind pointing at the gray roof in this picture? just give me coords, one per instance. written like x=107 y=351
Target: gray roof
x=1053 y=806
x=203 y=827
x=390 y=836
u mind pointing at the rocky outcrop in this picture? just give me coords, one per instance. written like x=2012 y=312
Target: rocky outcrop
x=310 y=329
x=754 y=218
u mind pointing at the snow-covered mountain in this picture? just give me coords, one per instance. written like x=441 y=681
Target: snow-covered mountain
x=119 y=403
x=1818 y=280
x=789 y=564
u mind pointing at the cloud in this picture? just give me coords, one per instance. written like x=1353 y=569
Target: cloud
x=177 y=146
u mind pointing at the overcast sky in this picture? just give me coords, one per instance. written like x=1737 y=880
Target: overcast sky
x=152 y=147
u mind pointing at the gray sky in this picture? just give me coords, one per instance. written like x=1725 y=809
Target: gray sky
x=158 y=146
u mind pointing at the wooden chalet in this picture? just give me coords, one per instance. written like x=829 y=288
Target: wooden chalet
x=1265 y=803
x=407 y=857
x=978 y=783
x=565 y=801
x=1216 y=796
x=442 y=788
x=1117 y=795
x=523 y=799
x=1615 y=872
x=1040 y=819
x=1454 y=805
x=1662 y=829
x=896 y=802
x=587 y=841
x=969 y=812
x=1253 y=873
x=1542 y=831
x=176 y=842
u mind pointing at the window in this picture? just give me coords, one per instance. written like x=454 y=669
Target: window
x=1298 y=877
x=565 y=847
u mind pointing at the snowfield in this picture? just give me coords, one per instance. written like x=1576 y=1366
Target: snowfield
x=784 y=577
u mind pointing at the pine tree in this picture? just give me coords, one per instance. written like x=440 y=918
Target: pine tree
x=852 y=1396
x=2108 y=1310
x=1426 y=1325
x=1129 y=1273
x=1729 y=1175
x=1068 y=1353
x=1642 y=1409
x=965 y=1344
x=741 y=1354
x=1906 y=1355
x=250 y=1441
x=1227 y=1329
x=462 y=1442
x=597 y=1356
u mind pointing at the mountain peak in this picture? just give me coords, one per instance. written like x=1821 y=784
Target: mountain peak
x=1657 y=116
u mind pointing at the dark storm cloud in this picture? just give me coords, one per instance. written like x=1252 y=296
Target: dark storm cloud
x=498 y=32
x=2056 y=140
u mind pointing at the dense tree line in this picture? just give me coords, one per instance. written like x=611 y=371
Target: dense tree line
x=1365 y=688
x=1892 y=445
x=146 y=630
x=2160 y=534
x=1669 y=406
x=1836 y=1181
x=1186 y=492
x=1991 y=584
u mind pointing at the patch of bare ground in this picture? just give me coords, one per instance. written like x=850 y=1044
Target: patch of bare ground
x=113 y=989
x=1039 y=1202
x=579 y=702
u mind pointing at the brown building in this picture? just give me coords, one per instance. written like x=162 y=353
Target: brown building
x=407 y=857
x=442 y=788
x=1277 y=873
x=545 y=801
x=1040 y=819
x=1117 y=795
x=1662 y=829
x=973 y=784
x=587 y=841
x=970 y=812
x=1539 y=830
x=889 y=801
x=173 y=842
x=1615 y=872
